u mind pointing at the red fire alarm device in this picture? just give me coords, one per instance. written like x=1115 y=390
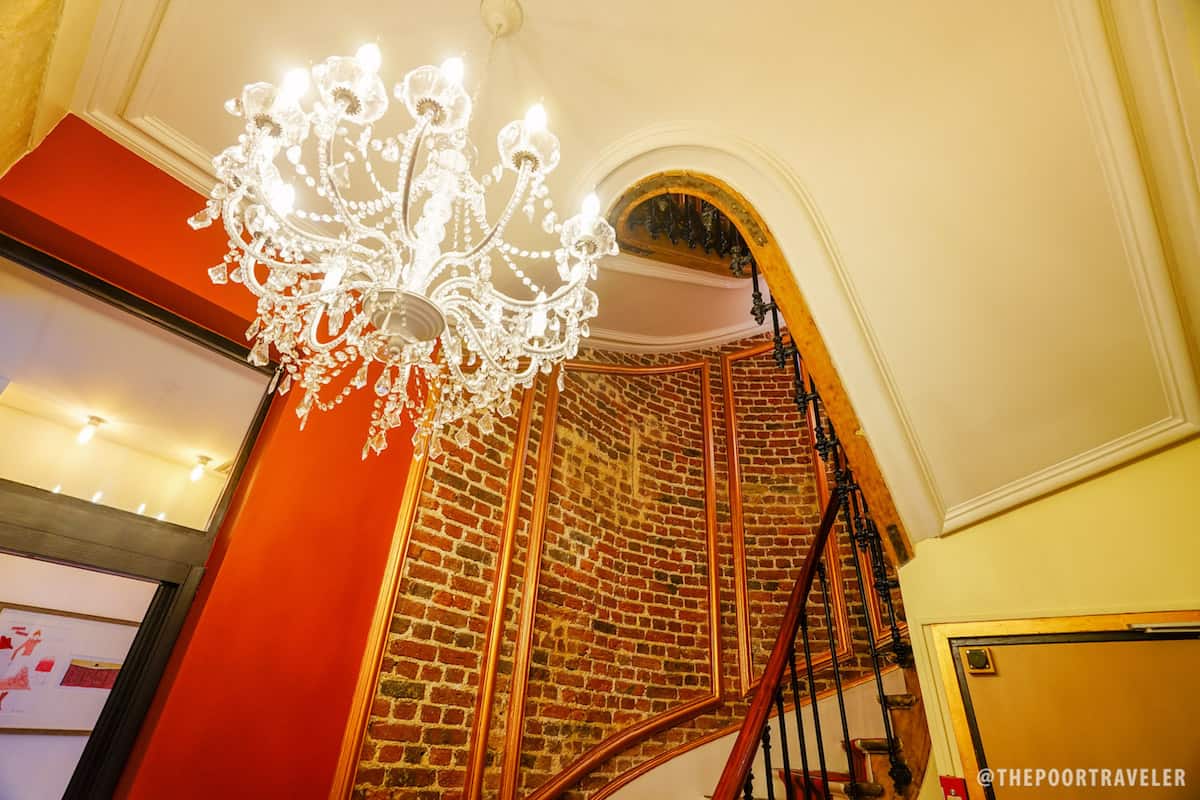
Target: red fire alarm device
x=953 y=787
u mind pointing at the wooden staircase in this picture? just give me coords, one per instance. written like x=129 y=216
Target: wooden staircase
x=891 y=766
x=870 y=755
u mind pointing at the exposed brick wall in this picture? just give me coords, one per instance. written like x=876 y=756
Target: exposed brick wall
x=417 y=734
x=620 y=630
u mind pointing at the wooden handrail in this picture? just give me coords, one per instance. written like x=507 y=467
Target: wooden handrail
x=733 y=778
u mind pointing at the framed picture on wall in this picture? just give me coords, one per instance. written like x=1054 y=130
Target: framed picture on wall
x=57 y=668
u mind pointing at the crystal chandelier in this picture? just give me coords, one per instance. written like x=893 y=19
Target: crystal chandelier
x=372 y=256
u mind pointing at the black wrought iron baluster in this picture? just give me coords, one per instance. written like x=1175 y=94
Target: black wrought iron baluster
x=778 y=350
x=799 y=395
x=833 y=444
x=901 y=775
x=837 y=677
x=748 y=789
x=884 y=585
x=788 y=789
x=821 y=442
x=766 y=748
x=758 y=306
x=812 y=693
x=800 y=717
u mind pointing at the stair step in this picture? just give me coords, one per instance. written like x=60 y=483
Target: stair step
x=865 y=789
x=839 y=785
x=900 y=700
x=872 y=746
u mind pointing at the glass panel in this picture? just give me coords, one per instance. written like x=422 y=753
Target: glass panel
x=99 y=404
x=64 y=636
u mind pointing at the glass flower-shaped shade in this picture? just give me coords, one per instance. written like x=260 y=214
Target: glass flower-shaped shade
x=373 y=258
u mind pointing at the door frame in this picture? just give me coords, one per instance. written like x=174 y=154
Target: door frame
x=52 y=527
x=949 y=638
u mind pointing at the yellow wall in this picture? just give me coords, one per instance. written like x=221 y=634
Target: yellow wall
x=1126 y=541
x=43 y=44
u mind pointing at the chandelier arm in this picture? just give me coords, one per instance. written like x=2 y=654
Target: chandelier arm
x=416 y=139
x=310 y=336
x=343 y=209
x=446 y=290
x=489 y=239
x=467 y=330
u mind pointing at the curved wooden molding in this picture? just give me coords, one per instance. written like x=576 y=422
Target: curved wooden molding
x=485 y=695
x=533 y=573
x=625 y=778
x=385 y=607
x=747 y=678
x=802 y=327
x=596 y=755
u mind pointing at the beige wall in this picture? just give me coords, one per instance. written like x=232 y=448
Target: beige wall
x=1125 y=541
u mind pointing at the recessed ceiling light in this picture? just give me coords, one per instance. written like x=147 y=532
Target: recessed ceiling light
x=96 y=497
x=198 y=471
x=89 y=430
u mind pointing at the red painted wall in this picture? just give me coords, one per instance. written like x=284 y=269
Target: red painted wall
x=255 y=699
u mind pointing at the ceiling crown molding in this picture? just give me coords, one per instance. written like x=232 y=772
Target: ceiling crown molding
x=646 y=268
x=604 y=339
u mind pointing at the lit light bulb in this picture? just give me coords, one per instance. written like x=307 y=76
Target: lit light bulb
x=141 y=509
x=369 y=57
x=283 y=198
x=161 y=516
x=452 y=69
x=198 y=471
x=535 y=118
x=89 y=430
x=591 y=207
x=96 y=497
x=295 y=84
x=57 y=488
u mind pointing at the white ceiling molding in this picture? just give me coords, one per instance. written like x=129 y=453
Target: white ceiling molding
x=1083 y=28
x=645 y=267
x=1156 y=66
x=121 y=42
x=1092 y=58
x=625 y=342
x=905 y=314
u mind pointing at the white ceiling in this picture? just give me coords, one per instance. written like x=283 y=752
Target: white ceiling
x=956 y=187
x=67 y=356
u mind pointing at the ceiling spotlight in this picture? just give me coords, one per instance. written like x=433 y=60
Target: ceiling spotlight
x=88 y=431
x=141 y=508
x=96 y=497
x=57 y=488
x=198 y=471
x=161 y=516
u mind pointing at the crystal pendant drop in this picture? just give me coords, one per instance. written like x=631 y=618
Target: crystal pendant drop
x=405 y=220
x=383 y=385
x=260 y=353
